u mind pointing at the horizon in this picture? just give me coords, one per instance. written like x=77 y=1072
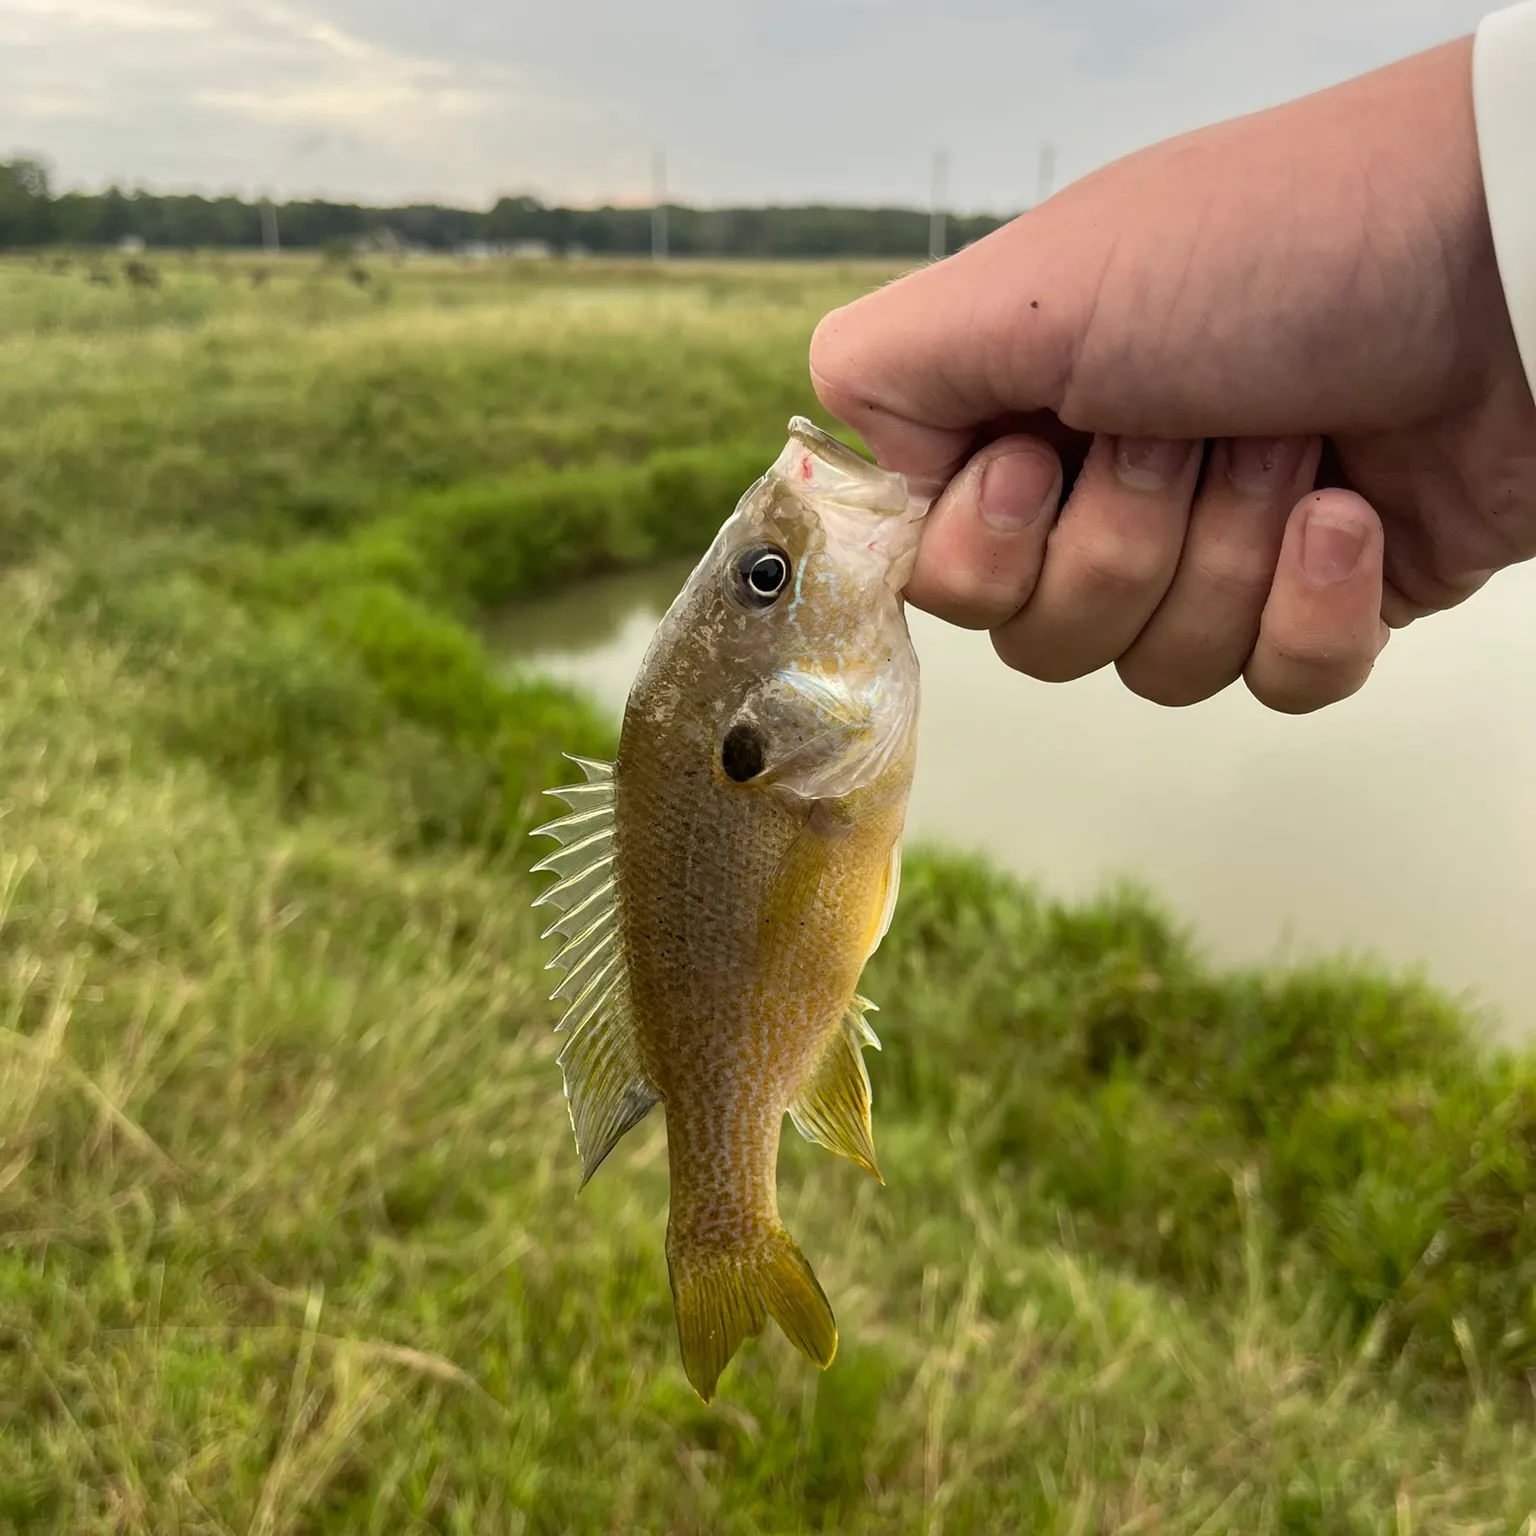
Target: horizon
x=142 y=187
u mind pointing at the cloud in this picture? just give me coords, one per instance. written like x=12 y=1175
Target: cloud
x=755 y=100
x=252 y=95
x=133 y=14
x=314 y=75
x=385 y=106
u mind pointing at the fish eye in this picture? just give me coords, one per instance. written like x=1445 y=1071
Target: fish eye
x=762 y=573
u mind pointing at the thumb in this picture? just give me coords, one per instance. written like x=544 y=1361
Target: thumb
x=948 y=356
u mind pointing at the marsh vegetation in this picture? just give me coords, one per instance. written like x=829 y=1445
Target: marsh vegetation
x=289 y=1238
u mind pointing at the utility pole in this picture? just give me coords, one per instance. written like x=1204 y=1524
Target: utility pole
x=1045 y=176
x=659 y=205
x=269 y=241
x=936 y=205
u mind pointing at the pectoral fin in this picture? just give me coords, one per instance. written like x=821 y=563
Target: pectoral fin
x=832 y=1109
x=797 y=880
x=889 y=890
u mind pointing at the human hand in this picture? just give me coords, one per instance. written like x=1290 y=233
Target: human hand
x=1309 y=295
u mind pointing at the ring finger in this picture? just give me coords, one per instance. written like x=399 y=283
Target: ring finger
x=1204 y=631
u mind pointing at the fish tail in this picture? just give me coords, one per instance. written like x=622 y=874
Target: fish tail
x=724 y=1296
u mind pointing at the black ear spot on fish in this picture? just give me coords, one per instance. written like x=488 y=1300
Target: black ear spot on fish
x=760 y=574
x=743 y=753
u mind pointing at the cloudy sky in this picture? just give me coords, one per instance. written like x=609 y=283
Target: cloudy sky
x=754 y=100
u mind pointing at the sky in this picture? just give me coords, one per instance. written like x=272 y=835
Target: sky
x=753 y=101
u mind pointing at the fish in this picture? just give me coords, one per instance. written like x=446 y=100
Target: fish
x=724 y=881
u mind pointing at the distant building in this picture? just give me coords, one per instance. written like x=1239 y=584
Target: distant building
x=386 y=242
x=490 y=250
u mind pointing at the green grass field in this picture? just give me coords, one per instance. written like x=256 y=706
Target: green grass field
x=289 y=1233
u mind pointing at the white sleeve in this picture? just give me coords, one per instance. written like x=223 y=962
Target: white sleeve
x=1504 y=101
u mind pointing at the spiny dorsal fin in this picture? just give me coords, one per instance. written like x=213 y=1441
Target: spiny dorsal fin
x=832 y=1109
x=605 y=1082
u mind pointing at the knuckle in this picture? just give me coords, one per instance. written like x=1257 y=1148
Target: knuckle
x=1296 y=675
x=971 y=596
x=1282 y=699
x=1236 y=578
x=1170 y=685
x=1117 y=566
x=1312 y=656
x=1035 y=656
x=1423 y=588
x=1285 y=701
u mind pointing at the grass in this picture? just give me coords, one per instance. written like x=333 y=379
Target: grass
x=289 y=1239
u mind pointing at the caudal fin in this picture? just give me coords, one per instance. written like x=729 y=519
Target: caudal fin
x=723 y=1298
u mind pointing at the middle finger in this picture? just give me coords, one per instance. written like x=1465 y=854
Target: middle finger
x=1109 y=559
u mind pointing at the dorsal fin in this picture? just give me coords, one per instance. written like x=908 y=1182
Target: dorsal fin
x=605 y=1081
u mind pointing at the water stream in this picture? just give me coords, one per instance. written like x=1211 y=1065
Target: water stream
x=1400 y=824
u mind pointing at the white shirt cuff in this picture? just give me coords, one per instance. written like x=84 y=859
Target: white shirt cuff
x=1504 y=102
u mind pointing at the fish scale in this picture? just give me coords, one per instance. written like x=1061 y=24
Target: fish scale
x=724 y=882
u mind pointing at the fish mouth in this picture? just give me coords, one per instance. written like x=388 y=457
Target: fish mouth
x=870 y=514
x=804 y=431
x=830 y=473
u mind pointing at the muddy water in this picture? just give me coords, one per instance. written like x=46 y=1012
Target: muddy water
x=1401 y=824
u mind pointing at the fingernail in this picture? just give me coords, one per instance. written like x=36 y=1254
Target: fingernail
x=1331 y=545
x=1016 y=489
x=1150 y=463
x=1260 y=466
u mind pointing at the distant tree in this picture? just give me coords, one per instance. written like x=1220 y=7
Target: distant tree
x=25 y=205
x=559 y=235
x=114 y=217
x=31 y=176
x=517 y=218
x=31 y=215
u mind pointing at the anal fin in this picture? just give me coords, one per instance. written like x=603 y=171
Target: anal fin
x=833 y=1108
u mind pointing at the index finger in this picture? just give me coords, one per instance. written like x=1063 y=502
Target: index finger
x=952 y=355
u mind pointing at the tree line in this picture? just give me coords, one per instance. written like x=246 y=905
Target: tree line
x=32 y=214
